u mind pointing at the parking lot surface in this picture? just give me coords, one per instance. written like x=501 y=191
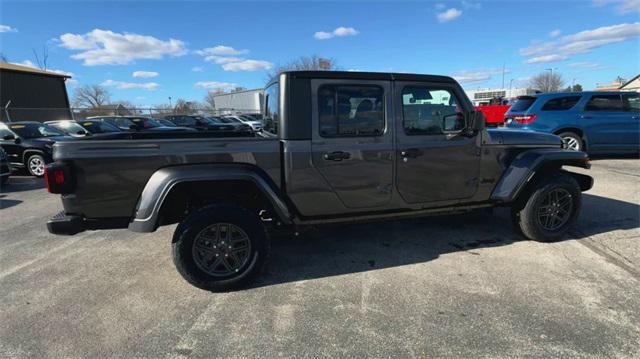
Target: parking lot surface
x=453 y=286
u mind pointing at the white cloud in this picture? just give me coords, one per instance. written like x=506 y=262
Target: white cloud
x=248 y=65
x=585 y=65
x=546 y=58
x=620 y=6
x=145 y=74
x=338 y=32
x=555 y=33
x=103 y=47
x=215 y=85
x=6 y=28
x=226 y=56
x=197 y=69
x=474 y=76
x=221 y=50
x=122 y=85
x=579 y=43
x=471 y=5
x=449 y=15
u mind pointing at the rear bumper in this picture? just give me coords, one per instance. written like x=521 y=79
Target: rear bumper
x=65 y=224
x=70 y=224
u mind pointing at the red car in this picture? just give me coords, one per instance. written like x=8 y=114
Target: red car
x=494 y=114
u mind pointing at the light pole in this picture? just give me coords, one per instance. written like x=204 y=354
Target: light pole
x=510 y=83
x=171 y=107
x=550 y=78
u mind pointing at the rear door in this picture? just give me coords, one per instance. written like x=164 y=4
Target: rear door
x=433 y=166
x=608 y=126
x=352 y=143
x=631 y=103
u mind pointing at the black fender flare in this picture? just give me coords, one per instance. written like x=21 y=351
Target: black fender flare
x=523 y=168
x=163 y=180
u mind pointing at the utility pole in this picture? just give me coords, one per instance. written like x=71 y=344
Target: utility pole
x=510 y=83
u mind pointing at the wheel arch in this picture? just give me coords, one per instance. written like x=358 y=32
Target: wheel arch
x=172 y=187
x=532 y=164
x=29 y=151
x=575 y=129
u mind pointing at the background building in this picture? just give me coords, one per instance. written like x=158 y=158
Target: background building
x=631 y=85
x=28 y=94
x=484 y=96
x=247 y=101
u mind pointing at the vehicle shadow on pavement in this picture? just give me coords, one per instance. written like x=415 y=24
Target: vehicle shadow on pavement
x=358 y=248
x=6 y=203
x=22 y=184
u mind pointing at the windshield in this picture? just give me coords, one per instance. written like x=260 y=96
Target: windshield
x=230 y=120
x=34 y=130
x=212 y=120
x=167 y=123
x=99 y=127
x=145 y=122
x=69 y=127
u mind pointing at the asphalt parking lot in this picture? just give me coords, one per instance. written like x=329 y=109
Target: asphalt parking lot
x=454 y=286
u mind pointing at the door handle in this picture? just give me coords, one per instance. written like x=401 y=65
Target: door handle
x=336 y=156
x=585 y=116
x=411 y=153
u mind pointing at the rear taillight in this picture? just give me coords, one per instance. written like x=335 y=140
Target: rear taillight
x=58 y=179
x=524 y=118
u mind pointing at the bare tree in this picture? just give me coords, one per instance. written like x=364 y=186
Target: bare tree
x=42 y=60
x=310 y=63
x=547 y=81
x=91 y=96
x=209 y=98
x=184 y=107
x=3 y=58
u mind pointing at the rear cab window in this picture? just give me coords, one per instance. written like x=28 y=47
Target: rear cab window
x=561 y=103
x=523 y=103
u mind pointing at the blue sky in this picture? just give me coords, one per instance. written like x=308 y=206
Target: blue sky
x=183 y=49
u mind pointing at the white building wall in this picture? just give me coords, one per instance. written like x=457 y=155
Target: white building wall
x=249 y=101
x=479 y=96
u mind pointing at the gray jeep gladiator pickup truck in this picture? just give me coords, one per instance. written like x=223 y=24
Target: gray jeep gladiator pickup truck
x=336 y=147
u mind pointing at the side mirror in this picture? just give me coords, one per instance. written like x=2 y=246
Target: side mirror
x=9 y=137
x=478 y=119
x=453 y=124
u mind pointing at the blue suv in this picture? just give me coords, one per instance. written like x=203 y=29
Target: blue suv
x=593 y=121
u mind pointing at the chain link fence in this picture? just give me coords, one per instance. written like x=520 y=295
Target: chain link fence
x=15 y=114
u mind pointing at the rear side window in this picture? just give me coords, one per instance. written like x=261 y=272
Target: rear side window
x=522 y=103
x=610 y=103
x=351 y=111
x=631 y=102
x=561 y=103
x=271 y=118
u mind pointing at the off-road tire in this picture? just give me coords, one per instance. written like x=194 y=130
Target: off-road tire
x=528 y=217
x=189 y=229
x=574 y=141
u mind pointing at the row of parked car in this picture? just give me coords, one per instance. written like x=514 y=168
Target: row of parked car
x=28 y=145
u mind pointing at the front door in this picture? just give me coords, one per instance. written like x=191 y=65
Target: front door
x=352 y=145
x=433 y=165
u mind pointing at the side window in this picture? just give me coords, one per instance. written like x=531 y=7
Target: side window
x=425 y=109
x=561 y=103
x=271 y=118
x=631 y=102
x=351 y=111
x=611 y=103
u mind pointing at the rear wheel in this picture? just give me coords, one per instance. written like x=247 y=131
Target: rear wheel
x=551 y=210
x=35 y=165
x=572 y=141
x=220 y=247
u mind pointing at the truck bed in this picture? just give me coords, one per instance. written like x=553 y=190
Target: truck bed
x=121 y=164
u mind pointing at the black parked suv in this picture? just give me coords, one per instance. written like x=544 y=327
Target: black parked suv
x=341 y=147
x=200 y=123
x=138 y=123
x=97 y=126
x=29 y=144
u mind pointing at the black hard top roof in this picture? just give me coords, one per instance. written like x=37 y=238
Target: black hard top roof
x=369 y=76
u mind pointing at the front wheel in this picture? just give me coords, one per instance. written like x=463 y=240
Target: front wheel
x=552 y=209
x=220 y=247
x=35 y=165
